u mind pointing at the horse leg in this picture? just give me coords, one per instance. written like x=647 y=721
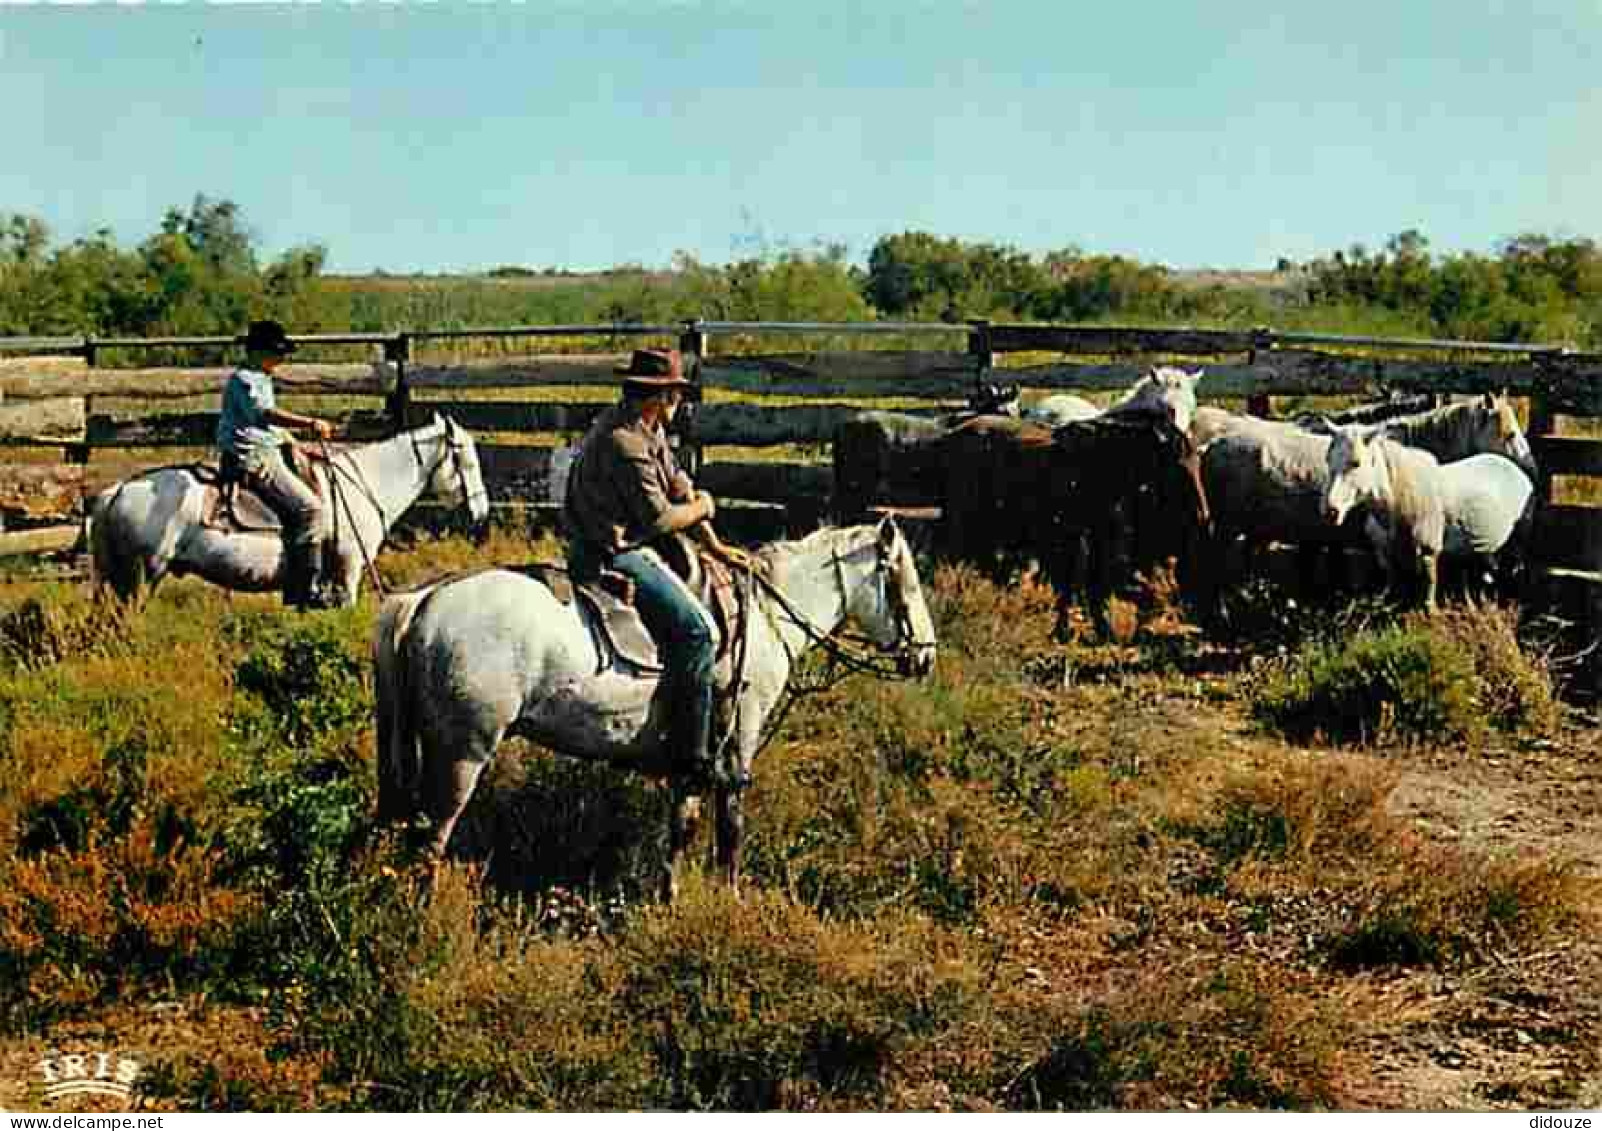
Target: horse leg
x=1428 y=565
x=448 y=784
x=1098 y=580
x=684 y=813
x=730 y=833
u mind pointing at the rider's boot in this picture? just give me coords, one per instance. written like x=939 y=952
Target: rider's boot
x=303 y=577
x=691 y=735
x=294 y=579
x=319 y=595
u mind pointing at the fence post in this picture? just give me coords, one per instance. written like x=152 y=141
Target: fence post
x=1541 y=422
x=1261 y=402
x=89 y=351
x=979 y=348
x=692 y=349
x=398 y=350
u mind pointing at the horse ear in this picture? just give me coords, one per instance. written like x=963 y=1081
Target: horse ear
x=1193 y=378
x=887 y=532
x=1488 y=401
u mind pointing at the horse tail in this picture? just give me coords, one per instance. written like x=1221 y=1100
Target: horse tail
x=400 y=759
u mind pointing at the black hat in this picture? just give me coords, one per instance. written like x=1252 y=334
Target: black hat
x=654 y=369
x=268 y=336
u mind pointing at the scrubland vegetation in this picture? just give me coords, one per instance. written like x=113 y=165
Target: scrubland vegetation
x=201 y=273
x=1053 y=876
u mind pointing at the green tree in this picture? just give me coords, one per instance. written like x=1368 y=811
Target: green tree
x=215 y=229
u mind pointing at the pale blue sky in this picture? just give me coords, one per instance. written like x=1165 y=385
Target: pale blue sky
x=583 y=135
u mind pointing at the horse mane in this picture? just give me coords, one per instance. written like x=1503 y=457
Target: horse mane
x=776 y=553
x=1377 y=413
x=1452 y=422
x=1415 y=491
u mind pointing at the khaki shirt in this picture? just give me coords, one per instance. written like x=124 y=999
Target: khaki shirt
x=622 y=483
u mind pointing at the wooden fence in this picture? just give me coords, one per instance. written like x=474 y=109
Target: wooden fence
x=84 y=412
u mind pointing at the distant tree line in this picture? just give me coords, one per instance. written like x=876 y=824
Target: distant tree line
x=201 y=274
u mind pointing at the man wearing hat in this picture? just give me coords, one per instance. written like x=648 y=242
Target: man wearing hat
x=625 y=494
x=250 y=442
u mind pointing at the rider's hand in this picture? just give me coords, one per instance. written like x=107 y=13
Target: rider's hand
x=323 y=429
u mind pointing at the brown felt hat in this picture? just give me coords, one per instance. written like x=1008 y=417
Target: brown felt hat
x=654 y=369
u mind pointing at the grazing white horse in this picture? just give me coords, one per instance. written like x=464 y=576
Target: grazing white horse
x=466 y=662
x=159 y=523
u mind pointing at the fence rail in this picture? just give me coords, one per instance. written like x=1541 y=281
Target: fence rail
x=1254 y=365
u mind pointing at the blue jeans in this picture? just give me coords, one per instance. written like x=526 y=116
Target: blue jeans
x=681 y=627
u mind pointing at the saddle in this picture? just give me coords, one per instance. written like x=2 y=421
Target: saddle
x=234 y=508
x=614 y=618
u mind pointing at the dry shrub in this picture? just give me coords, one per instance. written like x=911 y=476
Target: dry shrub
x=239 y=1075
x=980 y=620
x=76 y=925
x=1396 y=682
x=1515 y=687
x=1383 y=894
x=759 y=1004
x=47 y=629
x=1305 y=811
x=1427 y=904
x=1242 y=1034
x=1450 y=676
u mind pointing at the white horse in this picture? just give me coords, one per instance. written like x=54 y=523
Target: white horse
x=1400 y=489
x=466 y=662
x=160 y=522
x=1059 y=409
x=1266 y=479
x=1164 y=390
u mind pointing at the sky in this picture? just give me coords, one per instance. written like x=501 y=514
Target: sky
x=457 y=137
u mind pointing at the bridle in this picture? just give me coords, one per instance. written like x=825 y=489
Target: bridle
x=451 y=448
x=857 y=651
x=854 y=652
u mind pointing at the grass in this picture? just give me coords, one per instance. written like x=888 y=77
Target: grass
x=994 y=890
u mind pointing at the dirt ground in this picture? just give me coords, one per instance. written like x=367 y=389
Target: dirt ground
x=1505 y=1038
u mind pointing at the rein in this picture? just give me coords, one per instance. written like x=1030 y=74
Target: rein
x=348 y=471
x=336 y=471
x=846 y=649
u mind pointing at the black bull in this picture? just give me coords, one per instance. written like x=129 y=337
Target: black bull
x=1082 y=492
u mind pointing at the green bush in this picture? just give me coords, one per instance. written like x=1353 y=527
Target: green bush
x=305 y=680
x=1449 y=676
x=1394 y=681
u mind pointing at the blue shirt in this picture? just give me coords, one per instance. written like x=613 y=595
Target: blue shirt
x=242 y=429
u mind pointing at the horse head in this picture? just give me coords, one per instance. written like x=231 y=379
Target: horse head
x=993 y=398
x=1500 y=430
x=1354 y=471
x=1165 y=391
x=457 y=472
x=893 y=611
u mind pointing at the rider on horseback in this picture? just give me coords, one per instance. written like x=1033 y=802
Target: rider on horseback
x=626 y=497
x=251 y=442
